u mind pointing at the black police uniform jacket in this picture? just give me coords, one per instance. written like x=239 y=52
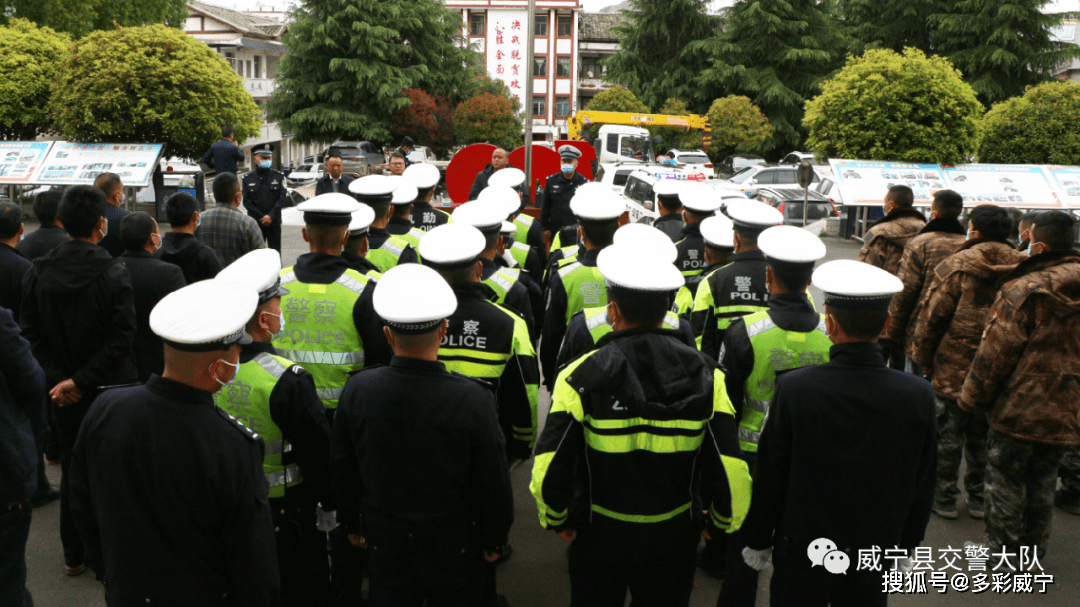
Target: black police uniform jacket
x=671 y=225
x=168 y=494
x=555 y=208
x=849 y=454
x=264 y=194
x=739 y=283
x=325 y=184
x=427 y=217
x=418 y=450
x=691 y=249
x=360 y=264
x=555 y=320
x=151 y=280
x=578 y=340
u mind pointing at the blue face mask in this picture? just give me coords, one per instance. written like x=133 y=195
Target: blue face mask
x=1029 y=250
x=567 y=168
x=967 y=236
x=264 y=164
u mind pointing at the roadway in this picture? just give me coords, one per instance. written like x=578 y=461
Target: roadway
x=536 y=575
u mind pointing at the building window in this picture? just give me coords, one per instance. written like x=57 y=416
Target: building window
x=248 y=62
x=539 y=106
x=476 y=24
x=562 y=67
x=258 y=66
x=562 y=106
x=541 y=27
x=591 y=67
x=539 y=66
x=565 y=25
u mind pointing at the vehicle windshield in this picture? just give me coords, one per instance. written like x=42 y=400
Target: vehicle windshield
x=744 y=163
x=742 y=175
x=633 y=146
x=343 y=152
x=693 y=158
x=416 y=156
x=815 y=211
x=304 y=168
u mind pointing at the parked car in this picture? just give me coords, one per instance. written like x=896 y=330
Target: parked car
x=639 y=195
x=305 y=174
x=615 y=174
x=733 y=164
x=790 y=203
x=358 y=157
x=755 y=177
x=693 y=160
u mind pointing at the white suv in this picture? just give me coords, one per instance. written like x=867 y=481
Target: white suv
x=641 y=200
x=693 y=160
x=752 y=178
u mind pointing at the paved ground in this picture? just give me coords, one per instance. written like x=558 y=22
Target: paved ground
x=536 y=575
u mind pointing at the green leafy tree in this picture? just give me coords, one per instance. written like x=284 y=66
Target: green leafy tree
x=737 y=126
x=487 y=118
x=80 y=17
x=1001 y=46
x=423 y=120
x=348 y=61
x=1041 y=127
x=29 y=57
x=887 y=106
x=675 y=137
x=776 y=52
x=482 y=83
x=891 y=25
x=150 y=84
x=615 y=99
x=654 y=57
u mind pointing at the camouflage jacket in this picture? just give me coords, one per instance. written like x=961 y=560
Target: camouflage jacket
x=1026 y=372
x=885 y=241
x=939 y=239
x=954 y=313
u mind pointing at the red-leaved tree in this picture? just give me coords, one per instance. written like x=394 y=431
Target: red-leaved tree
x=428 y=120
x=487 y=118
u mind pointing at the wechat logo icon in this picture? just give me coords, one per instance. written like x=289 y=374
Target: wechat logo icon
x=822 y=552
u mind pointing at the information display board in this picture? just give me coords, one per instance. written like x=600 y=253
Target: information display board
x=19 y=160
x=1067 y=182
x=1023 y=186
x=864 y=183
x=80 y=163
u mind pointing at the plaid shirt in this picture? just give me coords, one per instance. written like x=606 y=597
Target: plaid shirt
x=230 y=232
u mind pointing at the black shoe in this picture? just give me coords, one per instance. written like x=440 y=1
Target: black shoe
x=51 y=495
x=713 y=569
x=505 y=556
x=1068 y=502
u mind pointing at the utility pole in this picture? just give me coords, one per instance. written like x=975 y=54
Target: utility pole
x=529 y=62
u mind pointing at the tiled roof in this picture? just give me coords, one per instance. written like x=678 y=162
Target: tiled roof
x=243 y=22
x=600 y=26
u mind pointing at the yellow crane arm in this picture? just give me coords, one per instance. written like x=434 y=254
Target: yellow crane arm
x=582 y=119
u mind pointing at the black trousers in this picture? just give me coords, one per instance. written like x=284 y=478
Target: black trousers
x=272 y=234
x=303 y=563
x=68 y=421
x=417 y=570
x=795 y=583
x=654 y=561
x=14 y=529
x=347 y=570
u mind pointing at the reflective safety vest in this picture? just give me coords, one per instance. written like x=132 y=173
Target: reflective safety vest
x=569 y=254
x=524 y=223
x=684 y=303
x=501 y=281
x=319 y=332
x=596 y=321
x=387 y=255
x=520 y=252
x=775 y=350
x=584 y=287
x=412 y=237
x=247 y=398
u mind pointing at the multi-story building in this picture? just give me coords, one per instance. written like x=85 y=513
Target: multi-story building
x=497 y=29
x=597 y=41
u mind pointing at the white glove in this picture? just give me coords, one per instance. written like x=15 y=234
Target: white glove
x=326 y=521
x=756 y=559
x=905 y=565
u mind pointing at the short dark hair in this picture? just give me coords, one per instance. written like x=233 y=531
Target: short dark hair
x=664 y=200
x=1030 y=216
x=324 y=236
x=396 y=154
x=748 y=235
x=352 y=245
x=225 y=187
x=107 y=182
x=380 y=207
x=696 y=215
x=460 y=275
x=81 y=209
x=792 y=276
x=491 y=241
x=863 y=324
x=640 y=308
x=403 y=211
x=993 y=222
x=948 y=203
x=179 y=208
x=135 y=230
x=226 y=131
x=422 y=193
x=901 y=195
x=10 y=220
x=1056 y=229
x=46 y=204
x=599 y=233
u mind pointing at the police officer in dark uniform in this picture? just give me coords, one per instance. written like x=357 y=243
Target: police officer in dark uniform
x=560 y=188
x=400 y=223
x=404 y=149
x=426 y=178
x=738 y=288
x=669 y=207
x=718 y=234
x=356 y=248
x=264 y=195
x=529 y=231
x=435 y=537
x=384 y=249
x=699 y=203
x=276 y=399
x=156 y=531
x=846 y=462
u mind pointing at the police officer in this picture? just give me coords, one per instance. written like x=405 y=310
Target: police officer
x=505 y=283
x=404 y=149
x=275 y=398
x=738 y=288
x=718 y=235
x=425 y=178
x=384 y=249
x=699 y=203
x=555 y=212
x=156 y=529
x=485 y=340
x=579 y=284
x=434 y=537
x=566 y=250
x=789 y=335
x=589 y=325
x=529 y=231
x=847 y=456
x=523 y=253
x=633 y=514
x=356 y=248
x=669 y=207
x=400 y=223
x=505 y=259
x=264 y=195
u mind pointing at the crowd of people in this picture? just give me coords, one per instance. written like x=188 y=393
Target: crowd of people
x=234 y=432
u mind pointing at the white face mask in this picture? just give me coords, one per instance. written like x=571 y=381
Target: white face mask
x=237 y=367
x=106 y=230
x=281 y=325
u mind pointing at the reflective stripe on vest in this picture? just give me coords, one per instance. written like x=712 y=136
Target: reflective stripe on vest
x=319 y=332
x=247 y=398
x=388 y=254
x=291 y=475
x=501 y=281
x=598 y=325
x=524 y=224
x=520 y=253
x=775 y=350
